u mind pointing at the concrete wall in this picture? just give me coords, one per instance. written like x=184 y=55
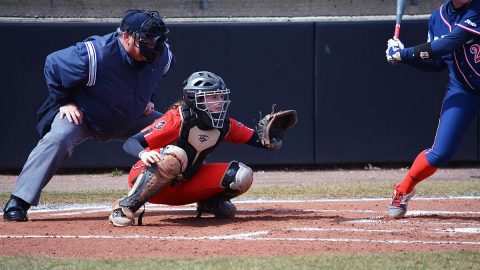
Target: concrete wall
x=209 y=8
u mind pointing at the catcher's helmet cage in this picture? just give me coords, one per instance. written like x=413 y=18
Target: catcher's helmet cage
x=149 y=29
x=204 y=90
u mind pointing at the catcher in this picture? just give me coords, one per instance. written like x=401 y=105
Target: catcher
x=173 y=149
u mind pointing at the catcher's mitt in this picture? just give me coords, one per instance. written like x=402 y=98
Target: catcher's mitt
x=272 y=128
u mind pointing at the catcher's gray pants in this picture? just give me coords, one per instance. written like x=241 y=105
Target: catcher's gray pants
x=58 y=145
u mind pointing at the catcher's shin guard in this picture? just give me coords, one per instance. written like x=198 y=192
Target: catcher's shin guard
x=237 y=178
x=148 y=183
x=151 y=181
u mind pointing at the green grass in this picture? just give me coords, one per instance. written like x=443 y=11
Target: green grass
x=116 y=172
x=354 y=190
x=61 y=197
x=434 y=260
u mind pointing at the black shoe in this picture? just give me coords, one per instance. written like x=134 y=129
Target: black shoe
x=16 y=209
x=218 y=205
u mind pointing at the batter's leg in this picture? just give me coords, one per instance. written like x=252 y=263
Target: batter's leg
x=460 y=107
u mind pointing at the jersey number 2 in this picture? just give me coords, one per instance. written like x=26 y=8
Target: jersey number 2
x=475 y=49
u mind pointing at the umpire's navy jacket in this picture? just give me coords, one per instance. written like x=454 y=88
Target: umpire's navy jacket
x=110 y=88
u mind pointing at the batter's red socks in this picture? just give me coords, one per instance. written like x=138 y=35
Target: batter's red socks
x=420 y=170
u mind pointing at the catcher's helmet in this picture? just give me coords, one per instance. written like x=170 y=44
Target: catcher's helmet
x=149 y=29
x=208 y=96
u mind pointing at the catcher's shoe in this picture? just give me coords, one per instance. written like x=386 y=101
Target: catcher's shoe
x=16 y=209
x=218 y=205
x=121 y=219
x=398 y=206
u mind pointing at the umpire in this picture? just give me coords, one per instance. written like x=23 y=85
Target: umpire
x=99 y=89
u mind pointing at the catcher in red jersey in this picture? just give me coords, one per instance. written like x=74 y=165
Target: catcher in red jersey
x=172 y=151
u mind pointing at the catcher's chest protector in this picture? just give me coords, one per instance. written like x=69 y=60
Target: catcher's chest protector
x=196 y=142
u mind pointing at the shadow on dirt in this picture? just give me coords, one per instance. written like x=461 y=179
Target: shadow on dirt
x=244 y=217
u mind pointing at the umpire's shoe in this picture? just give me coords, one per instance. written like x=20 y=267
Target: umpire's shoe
x=16 y=209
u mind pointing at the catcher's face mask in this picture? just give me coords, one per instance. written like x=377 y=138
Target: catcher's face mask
x=214 y=104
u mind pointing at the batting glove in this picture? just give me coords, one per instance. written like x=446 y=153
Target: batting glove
x=393 y=50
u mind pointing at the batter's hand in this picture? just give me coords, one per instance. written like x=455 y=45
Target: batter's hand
x=72 y=112
x=150 y=108
x=393 y=50
x=149 y=157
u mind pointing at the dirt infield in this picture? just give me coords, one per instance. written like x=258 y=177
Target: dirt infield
x=261 y=228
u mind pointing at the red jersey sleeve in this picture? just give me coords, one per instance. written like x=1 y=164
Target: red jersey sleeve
x=238 y=133
x=165 y=130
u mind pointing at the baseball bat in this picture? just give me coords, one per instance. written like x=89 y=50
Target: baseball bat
x=401 y=4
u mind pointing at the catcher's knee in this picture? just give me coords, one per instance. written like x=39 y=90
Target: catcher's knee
x=237 y=178
x=173 y=161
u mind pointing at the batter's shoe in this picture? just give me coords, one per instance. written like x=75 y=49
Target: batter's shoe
x=16 y=209
x=218 y=205
x=122 y=217
x=398 y=207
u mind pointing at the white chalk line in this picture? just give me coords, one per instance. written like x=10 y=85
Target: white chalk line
x=184 y=209
x=463 y=230
x=350 y=240
x=240 y=236
x=402 y=230
x=409 y=221
x=244 y=236
x=423 y=213
x=82 y=209
x=169 y=209
x=412 y=213
x=353 y=199
x=253 y=235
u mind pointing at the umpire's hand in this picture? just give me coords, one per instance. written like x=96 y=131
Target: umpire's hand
x=150 y=108
x=72 y=112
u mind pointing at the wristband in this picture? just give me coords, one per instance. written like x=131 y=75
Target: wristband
x=423 y=51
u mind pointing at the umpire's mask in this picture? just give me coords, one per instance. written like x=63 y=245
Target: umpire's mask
x=149 y=31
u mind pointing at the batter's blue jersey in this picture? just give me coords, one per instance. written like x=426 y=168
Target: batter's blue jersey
x=464 y=61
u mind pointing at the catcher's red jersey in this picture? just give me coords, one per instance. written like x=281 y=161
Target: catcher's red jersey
x=175 y=127
x=166 y=130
